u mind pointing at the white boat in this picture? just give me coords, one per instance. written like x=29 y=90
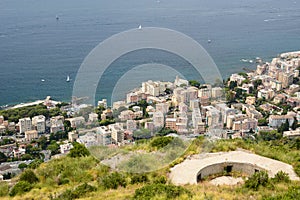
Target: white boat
x=68 y=78
x=43 y=80
x=209 y=41
x=250 y=61
x=140 y=27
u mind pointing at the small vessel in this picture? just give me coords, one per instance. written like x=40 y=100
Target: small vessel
x=57 y=17
x=68 y=78
x=42 y=80
x=140 y=27
x=244 y=60
x=209 y=41
x=250 y=61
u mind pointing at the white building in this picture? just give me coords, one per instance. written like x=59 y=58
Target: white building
x=179 y=82
x=131 y=125
x=213 y=117
x=238 y=78
x=30 y=135
x=158 y=119
x=65 y=148
x=117 y=134
x=162 y=107
x=103 y=135
x=57 y=124
x=39 y=122
x=93 y=117
x=217 y=92
x=103 y=103
x=88 y=140
x=276 y=120
x=25 y=124
x=76 y=121
x=153 y=88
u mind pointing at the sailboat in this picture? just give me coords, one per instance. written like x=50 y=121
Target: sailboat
x=68 y=78
x=140 y=27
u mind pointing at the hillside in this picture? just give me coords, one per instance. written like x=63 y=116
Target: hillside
x=85 y=178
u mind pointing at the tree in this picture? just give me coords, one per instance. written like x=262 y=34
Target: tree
x=257 y=83
x=114 y=180
x=194 y=83
x=53 y=147
x=295 y=124
x=160 y=142
x=78 y=150
x=42 y=141
x=262 y=122
x=22 y=166
x=20 y=188
x=232 y=85
x=3 y=157
x=284 y=127
x=29 y=176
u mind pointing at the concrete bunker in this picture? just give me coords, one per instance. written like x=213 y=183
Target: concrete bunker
x=198 y=167
x=228 y=167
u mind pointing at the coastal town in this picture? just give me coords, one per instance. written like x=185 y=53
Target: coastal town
x=263 y=102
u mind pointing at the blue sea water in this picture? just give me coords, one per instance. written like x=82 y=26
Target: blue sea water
x=34 y=45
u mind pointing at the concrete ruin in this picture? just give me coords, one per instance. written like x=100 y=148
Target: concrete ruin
x=196 y=168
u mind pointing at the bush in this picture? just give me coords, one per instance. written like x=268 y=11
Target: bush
x=4 y=189
x=297 y=169
x=291 y=194
x=160 y=180
x=160 y=190
x=78 y=192
x=29 y=176
x=20 y=188
x=78 y=150
x=22 y=166
x=139 y=178
x=59 y=171
x=113 y=181
x=258 y=179
x=281 y=177
x=35 y=164
x=160 y=142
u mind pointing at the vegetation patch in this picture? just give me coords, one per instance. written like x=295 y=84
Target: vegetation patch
x=161 y=191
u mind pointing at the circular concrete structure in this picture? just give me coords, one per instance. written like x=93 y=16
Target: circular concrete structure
x=191 y=171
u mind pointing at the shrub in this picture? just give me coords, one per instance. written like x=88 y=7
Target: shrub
x=20 y=188
x=29 y=176
x=160 y=180
x=78 y=150
x=78 y=192
x=291 y=194
x=113 y=181
x=297 y=169
x=60 y=170
x=22 y=166
x=139 y=178
x=281 y=177
x=4 y=189
x=160 y=190
x=160 y=142
x=257 y=179
x=35 y=164
x=83 y=189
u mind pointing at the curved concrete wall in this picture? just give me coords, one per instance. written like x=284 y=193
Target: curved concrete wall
x=218 y=168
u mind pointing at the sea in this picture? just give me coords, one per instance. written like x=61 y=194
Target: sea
x=44 y=41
